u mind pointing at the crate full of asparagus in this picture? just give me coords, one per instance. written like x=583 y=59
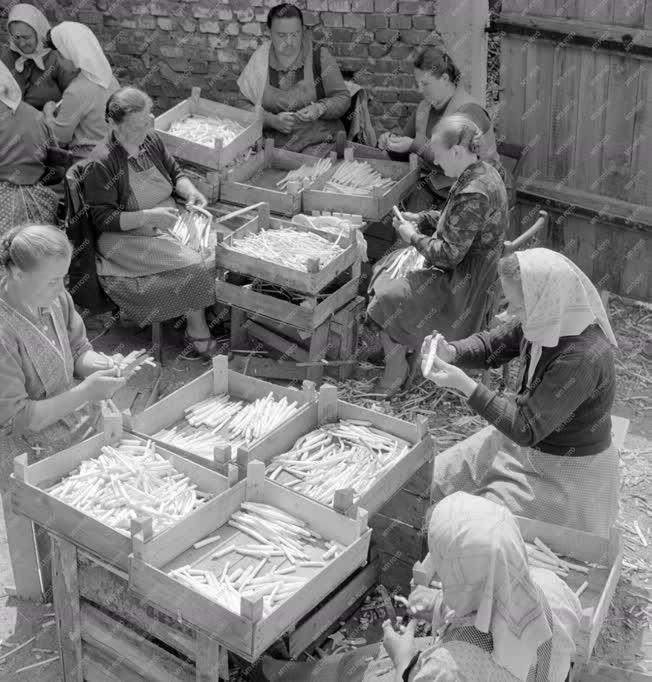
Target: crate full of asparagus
x=222 y=413
x=94 y=493
x=347 y=456
x=268 y=558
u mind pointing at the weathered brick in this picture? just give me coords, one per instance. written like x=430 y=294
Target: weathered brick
x=138 y=8
x=387 y=35
x=252 y=29
x=198 y=67
x=218 y=41
x=127 y=23
x=427 y=7
x=386 y=66
x=228 y=55
x=208 y=26
x=410 y=95
x=244 y=16
x=385 y=95
x=246 y=43
x=342 y=35
x=400 y=21
x=376 y=51
x=400 y=51
x=178 y=64
x=388 y=6
x=89 y=16
x=415 y=37
x=352 y=64
x=421 y=21
x=365 y=37
x=352 y=21
x=362 y=6
x=330 y=19
x=339 y=5
x=147 y=23
x=224 y=14
x=408 y=6
x=131 y=47
x=165 y=23
x=203 y=12
x=260 y=15
x=159 y=9
x=188 y=25
x=376 y=21
x=350 y=50
x=376 y=108
x=232 y=29
x=311 y=18
x=319 y=5
x=171 y=51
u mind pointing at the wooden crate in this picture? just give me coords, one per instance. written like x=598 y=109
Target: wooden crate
x=372 y=207
x=30 y=498
x=330 y=410
x=220 y=156
x=312 y=282
x=255 y=180
x=207 y=182
x=249 y=634
x=576 y=546
x=220 y=379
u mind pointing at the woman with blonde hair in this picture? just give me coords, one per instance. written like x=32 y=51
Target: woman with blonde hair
x=443 y=277
x=41 y=72
x=43 y=348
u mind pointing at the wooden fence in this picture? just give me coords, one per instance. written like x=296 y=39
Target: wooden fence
x=577 y=92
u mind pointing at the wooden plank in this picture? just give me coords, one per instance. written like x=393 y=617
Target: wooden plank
x=599 y=672
x=512 y=71
x=208 y=659
x=395 y=572
x=65 y=591
x=264 y=368
x=350 y=592
x=289 y=349
x=648 y=15
x=391 y=535
x=420 y=483
x=101 y=667
x=640 y=187
x=406 y=507
x=110 y=590
x=388 y=424
x=629 y=13
x=150 y=661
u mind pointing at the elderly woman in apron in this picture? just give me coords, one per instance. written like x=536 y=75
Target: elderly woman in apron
x=298 y=84
x=494 y=618
x=43 y=347
x=548 y=454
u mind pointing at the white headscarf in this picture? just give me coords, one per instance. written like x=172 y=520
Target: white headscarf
x=559 y=301
x=77 y=43
x=480 y=557
x=10 y=92
x=36 y=20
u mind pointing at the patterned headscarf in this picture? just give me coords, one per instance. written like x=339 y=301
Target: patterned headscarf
x=479 y=554
x=78 y=44
x=37 y=21
x=10 y=92
x=560 y=300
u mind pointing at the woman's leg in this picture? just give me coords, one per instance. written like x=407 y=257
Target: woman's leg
x=396 y=365
x=197 y=328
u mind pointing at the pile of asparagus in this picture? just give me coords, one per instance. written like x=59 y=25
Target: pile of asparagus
x=129 y=480
x=276 y=534
x=204 y=130
x=290 y=248
x=357 y=177
x=305 y=175
x=239 y=423
x=348 y=454
x=193 y=228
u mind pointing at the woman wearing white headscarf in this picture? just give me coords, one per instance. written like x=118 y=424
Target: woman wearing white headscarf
x=494 y=619
x=78 y=121
x=550 y=456
x=41 y=72
x=24 y=138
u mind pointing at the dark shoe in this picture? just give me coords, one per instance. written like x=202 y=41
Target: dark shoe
x=212 y=346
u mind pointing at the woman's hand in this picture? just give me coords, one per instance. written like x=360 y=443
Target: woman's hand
x=444 y=349
x=423 y=601
x=383 y=140
x=49 y=109
x=102 y=385
x=399 y=144
x=196 y=198
x=400 y=648
x=405 y=229
x=449 y=376
x=163 y=217
x=310 y=113
x=284 y=122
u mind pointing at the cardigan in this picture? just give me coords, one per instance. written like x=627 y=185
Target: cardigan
x=24 y=139
x=567 y=409
x=106 y=183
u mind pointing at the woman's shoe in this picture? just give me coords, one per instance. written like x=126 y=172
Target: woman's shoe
x=212 y=348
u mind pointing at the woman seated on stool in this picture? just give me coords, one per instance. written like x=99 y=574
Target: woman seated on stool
x=449 y=288
x=495 y=618
x=41 y=72
x=298 y=84
x=557 y=462
x=128 y=186
x=43 y=346
x=77 y=121
x=24 y=139
x=437 y=79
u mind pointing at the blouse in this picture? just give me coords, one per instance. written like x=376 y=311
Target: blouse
x=24 y=138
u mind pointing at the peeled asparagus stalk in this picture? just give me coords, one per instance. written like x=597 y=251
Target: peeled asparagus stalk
x=205 y=131
x=306 y=174
x=357 y=177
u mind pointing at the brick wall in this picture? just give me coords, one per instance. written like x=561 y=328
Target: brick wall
x=167 y=46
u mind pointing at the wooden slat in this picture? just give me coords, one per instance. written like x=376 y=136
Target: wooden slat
x=641 y=170
x=512 y=72
x=209 y=654
x=629 y=13
x=598 y=672
x=391 y=535
x=101 y=667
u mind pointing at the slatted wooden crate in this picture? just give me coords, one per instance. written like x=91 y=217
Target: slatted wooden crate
x=249 y=633
x=220 y=156
x=312 y=282
x=256 y=180
x=372 y=206
x=207 y=182
x=575 y=546
x=30 y=498
x=219 y=380
x=332 y=410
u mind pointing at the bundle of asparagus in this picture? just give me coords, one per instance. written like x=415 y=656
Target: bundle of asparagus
x=357 y=177
x=290 y=248
x=193 y=228
x=348 y=454
x=305 y=175
x=541 y=556
x=277 y=534
x=204 y=130
x=130 y=480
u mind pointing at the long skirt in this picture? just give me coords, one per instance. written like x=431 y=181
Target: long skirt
x=164 y=296
x=25 y=204
x=454 y=302
x=576 y=492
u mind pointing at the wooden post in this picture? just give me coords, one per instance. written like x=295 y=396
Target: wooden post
x=222 y=457
x=238 y=329
x=255 y=481
x=263 y=215
x=327 y=406
x=253 y=610
x=65 y=588
x=343 y=501
x=211 y=661
x=318 y=347
x=141 y=533
x=348 y=154
x=309 y=390
x=21 y=542
x=111 y=423
x=220 y=374
x=268 y=152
